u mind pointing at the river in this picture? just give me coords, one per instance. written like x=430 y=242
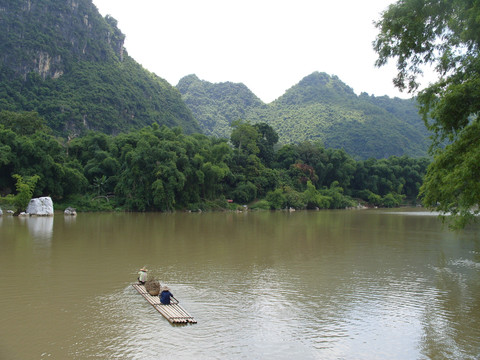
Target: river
x=349 y=284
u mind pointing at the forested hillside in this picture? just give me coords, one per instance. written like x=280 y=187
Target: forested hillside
x=123 y=138
x=162 y=169
x=62 y=59
x=216 y=106
x=65 y=61
x=320 y=107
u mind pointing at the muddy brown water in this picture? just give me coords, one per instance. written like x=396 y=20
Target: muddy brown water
x=362 y=284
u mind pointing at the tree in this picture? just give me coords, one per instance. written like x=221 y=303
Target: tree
x=314 y=154
x=23 y=123
x=452 y=182
x=268 y=138
x=276 y=199
x=25 y=188
x=286 y=156
x=245 y=137
x=314 y=199
x=446 y=35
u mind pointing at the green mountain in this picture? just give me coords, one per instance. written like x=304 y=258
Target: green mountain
x=320 y=107
x=64 y=60
x=216 y=105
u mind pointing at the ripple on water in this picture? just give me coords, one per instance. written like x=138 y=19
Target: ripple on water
x=467 y=263
x=265 y=315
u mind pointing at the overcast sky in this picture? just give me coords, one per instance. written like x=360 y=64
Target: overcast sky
x=269 y=45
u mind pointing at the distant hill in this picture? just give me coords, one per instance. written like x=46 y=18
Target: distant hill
x=320 y=107
x=216 y=105
x=62 y=59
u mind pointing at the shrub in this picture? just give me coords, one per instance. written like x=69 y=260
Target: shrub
x=276 y=199
x=392 y=200
x=261 y=205
x=244 y=193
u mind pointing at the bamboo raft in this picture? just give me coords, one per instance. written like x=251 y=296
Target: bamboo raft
x=173 y=312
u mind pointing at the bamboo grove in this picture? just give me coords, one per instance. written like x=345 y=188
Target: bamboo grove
x=162 y=169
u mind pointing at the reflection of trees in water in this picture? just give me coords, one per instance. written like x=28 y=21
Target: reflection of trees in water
x=451 y=329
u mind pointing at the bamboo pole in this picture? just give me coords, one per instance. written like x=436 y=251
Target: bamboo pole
x=181 y=310
x=173 y=312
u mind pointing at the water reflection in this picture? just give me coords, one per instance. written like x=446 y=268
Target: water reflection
x=309 y=285
x=69 y=219
x=451 y=324
x=40 y=227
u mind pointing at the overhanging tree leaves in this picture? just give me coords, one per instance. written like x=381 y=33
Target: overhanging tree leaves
x=445 y=35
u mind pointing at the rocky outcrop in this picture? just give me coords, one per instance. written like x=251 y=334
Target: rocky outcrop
x=71 y=30
x=70 y=211
x=40 y=206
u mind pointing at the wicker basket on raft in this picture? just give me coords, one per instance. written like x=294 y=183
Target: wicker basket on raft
x=153 y=287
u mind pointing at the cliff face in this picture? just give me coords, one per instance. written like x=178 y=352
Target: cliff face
x=64 y=60
x=44 y=36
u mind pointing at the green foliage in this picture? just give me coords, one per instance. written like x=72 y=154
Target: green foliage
x=41 y=154
x=151 y=174
x=337 y=200
x=25 y=188
x=372 y=198
x=24 y=123
x=64 y=68
x=397 y=175
x=217 y=106
x=89 y=202
x=260 y=205
x=67 y=63
x=276 y=199
x=245 y=138
x=253 y=149
x=319 y=108
x=244 y=193
x=211 y=205
x=314 y=199
x=392 y=200
x=311 y=198
x=73 y=181
x=452 y=182
x=266 y=141
x=443 y=34
x=389 y=200
x=162 y=169
x=293 y=198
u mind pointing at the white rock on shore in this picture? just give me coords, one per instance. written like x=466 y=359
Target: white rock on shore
x=40 y=206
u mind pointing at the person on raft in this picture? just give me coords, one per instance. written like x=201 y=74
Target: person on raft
x=165 y=295
x=142 y=276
